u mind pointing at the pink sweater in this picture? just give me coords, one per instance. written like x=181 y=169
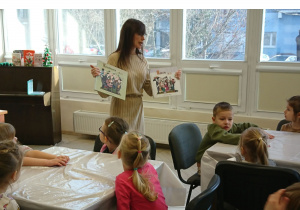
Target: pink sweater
x=129 y=198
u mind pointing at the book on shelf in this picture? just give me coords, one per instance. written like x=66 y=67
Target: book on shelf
x=164 y=83
x=111 y=81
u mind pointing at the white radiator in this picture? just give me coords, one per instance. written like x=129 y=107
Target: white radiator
x=87 y=122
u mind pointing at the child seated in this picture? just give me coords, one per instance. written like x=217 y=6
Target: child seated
x=111 y=133
x=138 y=186
x=10 y=165
x=292 y=113
x=253 y=147
x=285 y=199
x=222 y=130
x=31 y=157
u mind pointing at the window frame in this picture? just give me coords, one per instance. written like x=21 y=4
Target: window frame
x=247 y=70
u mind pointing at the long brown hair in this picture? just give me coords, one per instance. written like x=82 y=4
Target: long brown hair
x=10 y=161
x=293 y=193
x=129 y=28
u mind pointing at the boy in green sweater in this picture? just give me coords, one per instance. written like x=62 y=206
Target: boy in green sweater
x=222 y=130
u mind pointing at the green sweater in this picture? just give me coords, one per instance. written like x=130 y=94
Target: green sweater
x=217 y=134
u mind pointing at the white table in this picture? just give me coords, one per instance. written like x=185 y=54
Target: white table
x=87 y=182
x=284 y=150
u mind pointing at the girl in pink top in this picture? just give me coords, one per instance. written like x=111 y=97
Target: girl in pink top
x=138 y=186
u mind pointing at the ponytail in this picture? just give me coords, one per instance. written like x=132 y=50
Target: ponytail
x=135 y=152
x=254 y=141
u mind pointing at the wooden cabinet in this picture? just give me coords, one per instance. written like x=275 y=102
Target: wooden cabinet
x=35 y=117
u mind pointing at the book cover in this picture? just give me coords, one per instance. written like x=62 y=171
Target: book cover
x=38 y=60
x=111 y=81
x=16 y=59
x=164 y=83
x=28 y=57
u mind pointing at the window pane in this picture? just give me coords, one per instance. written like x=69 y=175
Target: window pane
x=282 y=29
x=215 y=34
x=157 y=22
x=25 y=29
x=81 y=31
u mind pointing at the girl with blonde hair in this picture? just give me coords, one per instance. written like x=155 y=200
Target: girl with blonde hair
x=138 y=186
x=254 y=147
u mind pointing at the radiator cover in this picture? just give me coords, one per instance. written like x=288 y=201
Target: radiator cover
x=87 y=122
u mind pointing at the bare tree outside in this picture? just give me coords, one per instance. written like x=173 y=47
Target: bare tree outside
x=215 y=34
x=157 y=22
x=90 y=31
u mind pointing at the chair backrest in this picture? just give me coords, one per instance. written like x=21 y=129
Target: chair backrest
x=247 y=186
x=153 y=147
x=281 y=122
x=205 y=199
x=184 y=141
x=98 y=144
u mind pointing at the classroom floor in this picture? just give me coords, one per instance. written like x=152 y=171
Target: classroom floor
x=86 y=142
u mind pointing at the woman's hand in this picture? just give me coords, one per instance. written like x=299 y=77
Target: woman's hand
x=95 y=71
x=178 y=74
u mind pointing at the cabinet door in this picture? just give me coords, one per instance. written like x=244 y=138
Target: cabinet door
x=32 y=120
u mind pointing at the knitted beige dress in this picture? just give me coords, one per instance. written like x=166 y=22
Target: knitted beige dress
x=131 y=109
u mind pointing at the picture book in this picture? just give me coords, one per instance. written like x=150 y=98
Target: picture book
x=111 y=81
x=164 y=83
x=28 y=57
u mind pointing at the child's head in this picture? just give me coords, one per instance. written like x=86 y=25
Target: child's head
x=7 y=131
x=293 y=193
x=223 y=116
x=253 y=146
x=10 y=162
x=292 y=112
x=134 y=152
x=112 y=130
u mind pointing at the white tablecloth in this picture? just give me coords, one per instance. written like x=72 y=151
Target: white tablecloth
x=284 y=150
x=87 y=182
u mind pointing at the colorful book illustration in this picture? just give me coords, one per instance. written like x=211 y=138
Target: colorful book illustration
x=28 y=57
x=164 y=83
x=111 y=81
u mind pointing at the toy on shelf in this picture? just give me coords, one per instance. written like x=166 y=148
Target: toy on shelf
x=6 y=64
x=47 y=59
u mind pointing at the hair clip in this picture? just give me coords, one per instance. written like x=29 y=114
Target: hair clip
x=135 y=169
x=139 y=138
x=139 y=151
x=125 y=132
x=112 y=122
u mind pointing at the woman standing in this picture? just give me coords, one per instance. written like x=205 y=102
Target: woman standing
x=129 y=57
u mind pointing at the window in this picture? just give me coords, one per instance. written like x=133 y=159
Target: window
x=215 y=34
x=270 y=39
x=25 y=29
x=81 y=31
x=281 y=28
x=157 y=22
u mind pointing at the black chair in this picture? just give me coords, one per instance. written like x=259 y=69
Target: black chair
x=153 y=147
x=246 y=186
x=205 y=200
x=281 y=122
x=98 y=144
x=184 y=141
